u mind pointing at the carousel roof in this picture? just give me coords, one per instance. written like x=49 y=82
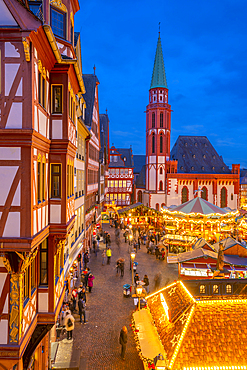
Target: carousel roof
x=199 y=205
x=200 y=333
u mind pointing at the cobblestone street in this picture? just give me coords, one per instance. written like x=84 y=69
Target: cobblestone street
x=108 y=310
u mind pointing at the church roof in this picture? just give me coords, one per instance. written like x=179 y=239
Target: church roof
x=199 y=333
x=141 y=179
x=90 y=81
x=195 y=154
x=139 y=162
x=159 y=74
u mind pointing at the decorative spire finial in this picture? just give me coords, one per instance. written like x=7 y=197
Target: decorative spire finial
x=94 y=68
x=159 y=28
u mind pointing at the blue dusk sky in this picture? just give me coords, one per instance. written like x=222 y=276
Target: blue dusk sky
x=205 y=53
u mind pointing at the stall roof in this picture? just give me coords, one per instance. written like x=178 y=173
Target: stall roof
x=228 y=243
x=199 y=333
x=135 y=205
x=199 y=205
x=202 y=243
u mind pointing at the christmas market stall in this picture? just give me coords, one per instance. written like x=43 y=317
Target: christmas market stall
x=141 y=216
x=191 y=334
x=194 y=219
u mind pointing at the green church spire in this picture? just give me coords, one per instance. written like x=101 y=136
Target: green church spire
x=159 y=74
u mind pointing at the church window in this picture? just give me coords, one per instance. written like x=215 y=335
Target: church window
x=204 y=194
x=161 y=171
x=167 y=143
x=223 y=198
x=160 y=91
x=185 y=194
x=139 y=196
x=153 y=119
x=153 y=143
x=161 y=119
x=231 y=196
x=161 y=186
x=58 y=23
x=161 y=98
x=161 y=143
x=154 y=98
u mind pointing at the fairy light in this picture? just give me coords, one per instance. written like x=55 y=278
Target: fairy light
x=161 y=290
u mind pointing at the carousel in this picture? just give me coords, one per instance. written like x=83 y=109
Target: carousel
x=197 y=218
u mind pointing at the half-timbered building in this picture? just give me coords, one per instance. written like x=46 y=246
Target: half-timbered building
x=120 y=180
x=39 y=82
x=92 y=122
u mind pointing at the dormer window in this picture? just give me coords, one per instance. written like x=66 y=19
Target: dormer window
x=186 y=144
x=192 y=168
x=183 y=155
x=181 y=168
x=213 y=168
x=195 y=144
x=213 y=156
x=193 y=156
x=204 y=156
x=58 y=23
x=203 y=168
x=223 y=168
x=124 y=158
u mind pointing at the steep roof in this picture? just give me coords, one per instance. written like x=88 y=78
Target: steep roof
x=90 y=81
x=195 y=154
x=202 y=243
x=199 y=333
x=139 y=162
x=232 y=247
x=159 y=74
x=243 y=176
x=141 y=179
x=122 y=158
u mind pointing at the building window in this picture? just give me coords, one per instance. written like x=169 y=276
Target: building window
x=33 y=275
x=223 y=198
x=231 y=196
x=185 y=194
x=139 y=196
x=161 y=186
x=55 y=180
x=204 y=193
x=161 y=171
x=202 y=289
x=26 y=281
x=153 y=119
x=161 y=143
x=161 y=119
x=39 y=184
x=153 y=143
x=42 y=90
x=215 y=289
x=57 y=99
x=43 y=181
x=228 y=288
x=43 y=276
x=157 y=207
x=58 y=23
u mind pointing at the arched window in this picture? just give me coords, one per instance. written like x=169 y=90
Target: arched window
x=139 y=196
x=223 y=198
x=153 y=119
x=161 y=143
x=161 y=186
x=161 y=119
x=185 y=194
x=161 y=171
x=204 y=193
x=153 y=143
x=163 y=205
x=167 y=143
x=157 y=207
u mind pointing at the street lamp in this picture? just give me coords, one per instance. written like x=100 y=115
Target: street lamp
x=139 y=294
x=132 y=256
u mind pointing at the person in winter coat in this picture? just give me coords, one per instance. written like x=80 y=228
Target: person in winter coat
x=108 y=255
x=103 y=257
x=123 y=341
x=146 y=281
x=85 y=259
x=136 y=278
x=73 y=297
x=82 y=306
x=90 y=282
x=69 y=324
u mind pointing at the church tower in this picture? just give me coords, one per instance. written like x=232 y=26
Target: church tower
x=158 y=128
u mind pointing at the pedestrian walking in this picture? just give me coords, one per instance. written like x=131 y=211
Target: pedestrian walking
x=73 y=297
x=90 y=282
x=69 y=324
x=98 y=239
x=122 y=269
x=157 y=251
x=146 y=281
x=108 y=255
x=123 y=341
x=103 y=257
x=82 y=306
x=157 y=281
x=136 y=278
x=85 y=259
